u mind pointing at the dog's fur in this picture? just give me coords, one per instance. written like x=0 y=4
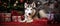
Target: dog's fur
x=30 y=9
x=29 y=12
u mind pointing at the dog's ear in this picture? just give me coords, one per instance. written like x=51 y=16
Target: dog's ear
x=25 y=5
x=33 y=4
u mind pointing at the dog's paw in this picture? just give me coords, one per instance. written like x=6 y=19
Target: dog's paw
x=29 y=21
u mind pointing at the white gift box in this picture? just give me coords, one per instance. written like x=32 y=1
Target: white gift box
x=7 y=17
x=14 y=18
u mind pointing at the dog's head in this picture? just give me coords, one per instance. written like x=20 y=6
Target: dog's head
x=29 y=9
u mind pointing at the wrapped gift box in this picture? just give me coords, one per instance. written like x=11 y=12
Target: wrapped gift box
x=17 y=18
x=7 y=17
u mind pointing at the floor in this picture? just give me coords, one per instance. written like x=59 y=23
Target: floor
x=41 y=22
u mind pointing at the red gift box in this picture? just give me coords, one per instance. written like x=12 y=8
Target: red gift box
x=14 y=13
x=17 y=18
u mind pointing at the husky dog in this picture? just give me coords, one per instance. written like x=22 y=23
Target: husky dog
x=29 y=12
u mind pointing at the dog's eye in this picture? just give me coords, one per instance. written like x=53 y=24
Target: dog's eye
x=31 y=9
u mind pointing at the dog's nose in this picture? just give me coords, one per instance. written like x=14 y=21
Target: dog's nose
x=29 y=13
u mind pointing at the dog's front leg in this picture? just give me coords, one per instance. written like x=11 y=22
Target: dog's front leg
x=29 y=19
x=25 y=18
